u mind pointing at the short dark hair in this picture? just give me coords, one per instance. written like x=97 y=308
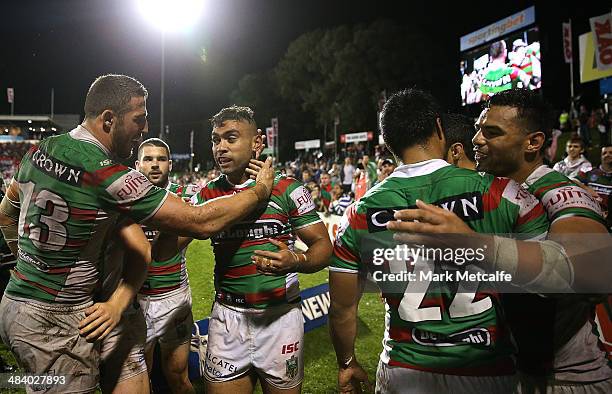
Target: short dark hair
x=154 y=142
x=576 y=140
x=114 y=92
x=408 y=118
x=233 y=113
x=460 y=128
x=533 y=112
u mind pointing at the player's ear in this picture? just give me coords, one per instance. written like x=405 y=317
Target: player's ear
x=536 y=141
x=169 y=165
x=108 y=117
x=257 y=143
x=456 y=151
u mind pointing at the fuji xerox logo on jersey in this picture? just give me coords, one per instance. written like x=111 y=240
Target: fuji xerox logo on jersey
x=468 y=206
x=302 y=200
x=264 y=228
x=569 y=197
x=129 y=187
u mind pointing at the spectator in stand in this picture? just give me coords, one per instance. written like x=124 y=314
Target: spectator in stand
x=307 y=176
x=326 y=187
x=315 y=194
x=459 y=131
x=387 y=166
x=348 y=172
x=340 y=200
x=600 y=180
x=335 y=174
x=575 y=161
x=360 y=181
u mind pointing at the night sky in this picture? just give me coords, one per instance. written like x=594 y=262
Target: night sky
x=65 y=44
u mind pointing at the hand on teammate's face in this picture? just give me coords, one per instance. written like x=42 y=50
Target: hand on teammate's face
x=275 y=263
x=266 y=174
x=254 y=167
x=101 y=318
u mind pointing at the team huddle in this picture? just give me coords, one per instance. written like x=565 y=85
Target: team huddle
x=101 y=273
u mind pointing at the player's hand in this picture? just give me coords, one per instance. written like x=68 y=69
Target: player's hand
x=276 y=263
x=428 y=218
x=254 y=167
x=265 y=177
x=431 y=226
x=263 y=143
x=101 y=318
x=353 y=379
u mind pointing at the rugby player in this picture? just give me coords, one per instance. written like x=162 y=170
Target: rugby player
x=437 y=339
x=459 y=131
x=558 y=347
x=66 y=196
x=123 y=328
x=165 y=297
x=256 y=329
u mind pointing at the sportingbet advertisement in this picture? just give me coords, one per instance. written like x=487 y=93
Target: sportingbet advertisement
x=501 y=56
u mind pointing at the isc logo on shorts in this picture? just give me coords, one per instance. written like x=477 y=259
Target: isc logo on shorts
x=290 y=348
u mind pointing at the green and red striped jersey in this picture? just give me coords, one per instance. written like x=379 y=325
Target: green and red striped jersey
x=432 y=326
x=560 y=196
x=71 y=193
x=169 y=275
x=326 y=194
x=289 y=208
x=544 y=325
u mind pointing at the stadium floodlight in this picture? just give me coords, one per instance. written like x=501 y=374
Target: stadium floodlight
x=170 y=15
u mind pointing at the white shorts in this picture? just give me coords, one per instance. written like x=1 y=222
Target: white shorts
x=122 y=350
x=169 y=319
x=270 y=341
x=390 y=380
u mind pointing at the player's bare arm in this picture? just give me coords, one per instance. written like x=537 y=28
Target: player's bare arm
x=284 y=261
x=563 y=251
x=207 y=219
x=9 y=216
x=345 y=292
x=102 y=317
x=167 y=245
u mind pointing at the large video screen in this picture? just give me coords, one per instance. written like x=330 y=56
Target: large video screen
x=512 y=62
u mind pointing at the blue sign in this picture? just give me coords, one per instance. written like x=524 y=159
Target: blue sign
x=605 y=86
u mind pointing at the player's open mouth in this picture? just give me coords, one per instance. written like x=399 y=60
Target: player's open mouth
x=223 y=160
